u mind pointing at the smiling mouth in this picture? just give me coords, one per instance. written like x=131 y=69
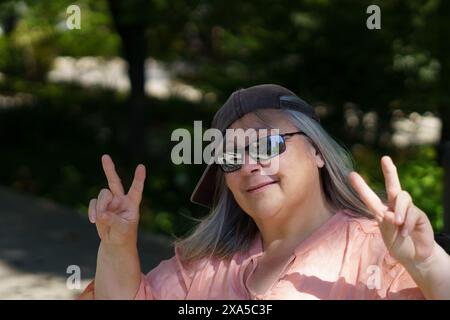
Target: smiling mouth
x=260 y=186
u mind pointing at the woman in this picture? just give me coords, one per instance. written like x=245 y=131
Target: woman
x=312 y=229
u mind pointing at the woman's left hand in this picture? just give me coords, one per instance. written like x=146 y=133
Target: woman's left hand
x=406 y=230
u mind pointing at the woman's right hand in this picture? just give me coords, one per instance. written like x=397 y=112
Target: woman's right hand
x=116 y=214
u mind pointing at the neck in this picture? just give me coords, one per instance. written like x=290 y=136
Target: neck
x=290 y=226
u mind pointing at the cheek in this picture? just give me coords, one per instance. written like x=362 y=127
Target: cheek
x=232 y=182
x=297 y=171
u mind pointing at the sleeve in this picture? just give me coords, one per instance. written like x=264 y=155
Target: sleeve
x=403 y=286
x=383 y=276
x=168 y=281
x=143 y=293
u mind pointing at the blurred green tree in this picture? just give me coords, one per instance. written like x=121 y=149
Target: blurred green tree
x=320 y=49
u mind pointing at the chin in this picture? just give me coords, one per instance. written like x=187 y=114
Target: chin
x=264 y=209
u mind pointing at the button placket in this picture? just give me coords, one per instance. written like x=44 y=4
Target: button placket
x=268 y=292
x=283 y=272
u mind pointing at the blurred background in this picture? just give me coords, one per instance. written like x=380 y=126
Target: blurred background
x=124 y=75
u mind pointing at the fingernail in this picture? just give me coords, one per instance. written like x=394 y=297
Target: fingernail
x=399 y=219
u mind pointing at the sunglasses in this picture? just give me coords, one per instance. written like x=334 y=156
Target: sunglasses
x=262 y=149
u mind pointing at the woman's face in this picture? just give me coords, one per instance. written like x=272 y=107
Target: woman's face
x=297 y=175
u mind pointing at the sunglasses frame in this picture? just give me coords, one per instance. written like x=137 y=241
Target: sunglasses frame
x=246 y=149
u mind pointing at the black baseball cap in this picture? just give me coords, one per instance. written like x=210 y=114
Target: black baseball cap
x=241 y=102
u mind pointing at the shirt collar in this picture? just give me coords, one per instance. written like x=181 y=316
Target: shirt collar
x=256 y=248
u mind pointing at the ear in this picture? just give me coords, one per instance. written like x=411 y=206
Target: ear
x=317 y=156
x=319 y=159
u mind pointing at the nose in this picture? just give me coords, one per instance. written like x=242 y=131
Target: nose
x=250 y=165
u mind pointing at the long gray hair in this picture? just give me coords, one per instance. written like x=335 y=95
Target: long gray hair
x=227 y=229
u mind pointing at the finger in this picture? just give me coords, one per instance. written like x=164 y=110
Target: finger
x=402 y=203
x=391 y=179
x=389 y=228
x=389 y=217
x=367 y=195
x=91 y=210
x=412 y=215
x=137 y=187
x=105 y=218
x=114 y=183
x=104 y=198
x=115 y=203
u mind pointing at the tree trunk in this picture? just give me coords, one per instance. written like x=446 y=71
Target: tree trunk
x=444 y=157
x=134 y=52
x=446 y=165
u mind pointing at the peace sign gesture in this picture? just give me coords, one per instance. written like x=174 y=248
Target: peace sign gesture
x=406 y=230
x=116 y=214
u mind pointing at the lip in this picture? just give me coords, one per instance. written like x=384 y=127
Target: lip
x=260 y=186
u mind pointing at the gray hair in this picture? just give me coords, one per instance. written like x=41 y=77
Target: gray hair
x=227 y=229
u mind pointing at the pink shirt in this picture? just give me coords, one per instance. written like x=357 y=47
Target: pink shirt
x=345 y=258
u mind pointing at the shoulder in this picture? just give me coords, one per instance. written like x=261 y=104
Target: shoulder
x=170 y=274
x=365 y=239
x=356 y=227
x=366 y=249
x=360 y=223
x=180 y=270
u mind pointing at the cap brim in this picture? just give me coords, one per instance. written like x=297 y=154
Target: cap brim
x=204 y=190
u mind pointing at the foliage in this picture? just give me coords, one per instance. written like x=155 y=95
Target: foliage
x=320 y=49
